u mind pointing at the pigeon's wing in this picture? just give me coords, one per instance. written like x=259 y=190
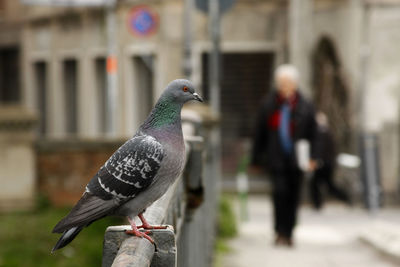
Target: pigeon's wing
x=129 y=171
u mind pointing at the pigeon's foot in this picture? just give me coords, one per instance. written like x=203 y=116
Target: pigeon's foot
x=145 y=225
x=140 y=234
x=137 y=233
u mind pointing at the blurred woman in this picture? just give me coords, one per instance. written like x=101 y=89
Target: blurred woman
x=284 y=118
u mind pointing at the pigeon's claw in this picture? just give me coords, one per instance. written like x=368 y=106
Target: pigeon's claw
x=137 y=233
x=145 y=225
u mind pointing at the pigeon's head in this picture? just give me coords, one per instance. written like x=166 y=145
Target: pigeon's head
x=181 y=91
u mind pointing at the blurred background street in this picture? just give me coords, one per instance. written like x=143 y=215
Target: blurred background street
x=78 y=77
x=331 y=238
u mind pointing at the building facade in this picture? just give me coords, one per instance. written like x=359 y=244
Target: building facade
x=65 y=52
x=345 y=49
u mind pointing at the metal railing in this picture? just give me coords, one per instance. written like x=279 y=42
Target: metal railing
x=188 y=208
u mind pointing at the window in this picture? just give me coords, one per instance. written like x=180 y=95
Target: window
x=247 y=77
x=70 y=95
x=144 y=75
x=40 y=72
x=101 y=93
x=9 y=75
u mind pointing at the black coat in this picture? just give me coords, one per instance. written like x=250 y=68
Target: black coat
x=325 y=150
x=267 y=149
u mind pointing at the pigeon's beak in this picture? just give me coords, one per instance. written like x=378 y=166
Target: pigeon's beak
x=197 y=97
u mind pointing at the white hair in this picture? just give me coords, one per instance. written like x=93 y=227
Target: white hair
x=287 y=71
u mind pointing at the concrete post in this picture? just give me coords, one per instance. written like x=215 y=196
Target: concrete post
x=300 y=34
x=121 y=249
x=17 y=159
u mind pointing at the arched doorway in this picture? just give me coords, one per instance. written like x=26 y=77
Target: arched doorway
x=330 y=91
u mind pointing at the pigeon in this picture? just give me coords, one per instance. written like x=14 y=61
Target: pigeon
x=139 y=172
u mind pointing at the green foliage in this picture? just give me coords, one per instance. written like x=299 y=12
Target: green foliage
x=26 y=239
x=42 y=202
x=243 y=163
x=221 y=246
x=227 y=227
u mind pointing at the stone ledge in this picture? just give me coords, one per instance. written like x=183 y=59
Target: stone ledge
x=202 y=111
x=14 y=117
x=78 y=144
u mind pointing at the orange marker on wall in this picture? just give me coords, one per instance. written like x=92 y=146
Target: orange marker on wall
x=111 y=64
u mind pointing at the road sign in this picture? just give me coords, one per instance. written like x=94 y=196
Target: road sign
x=142 y=21
x=224 y=5
x=82 y=3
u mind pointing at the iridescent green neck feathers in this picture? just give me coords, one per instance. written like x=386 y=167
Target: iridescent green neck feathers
x=166 y=112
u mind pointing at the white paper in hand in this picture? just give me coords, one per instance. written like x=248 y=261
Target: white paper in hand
x=302 y=147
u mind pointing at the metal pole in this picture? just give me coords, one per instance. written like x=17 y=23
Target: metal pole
x=214 y=62
x=112 y=74
x=364 y=67
x=187 y=36
x=368 y=142
x=214 y=87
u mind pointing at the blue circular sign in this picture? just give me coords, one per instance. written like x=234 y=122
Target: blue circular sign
x=142 y=21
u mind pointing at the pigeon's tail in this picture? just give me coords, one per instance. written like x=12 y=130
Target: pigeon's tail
x=67 y=237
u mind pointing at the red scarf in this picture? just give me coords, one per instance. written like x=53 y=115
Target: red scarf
x=275 y=118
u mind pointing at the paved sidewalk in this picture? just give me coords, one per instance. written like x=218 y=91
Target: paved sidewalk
x=327 y=239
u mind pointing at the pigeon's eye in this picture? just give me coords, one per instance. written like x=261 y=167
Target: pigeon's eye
x=185 y=89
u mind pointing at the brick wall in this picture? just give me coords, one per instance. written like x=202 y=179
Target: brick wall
x=64 y=167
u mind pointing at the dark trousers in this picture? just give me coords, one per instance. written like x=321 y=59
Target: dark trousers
x=286 y=195
x=324 y=176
